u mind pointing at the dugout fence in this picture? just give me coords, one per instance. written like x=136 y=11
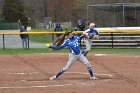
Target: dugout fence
x=109 y=38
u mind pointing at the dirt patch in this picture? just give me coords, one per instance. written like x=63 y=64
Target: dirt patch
x=30 y=73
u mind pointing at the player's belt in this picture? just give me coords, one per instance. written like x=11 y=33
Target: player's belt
x=75 y=53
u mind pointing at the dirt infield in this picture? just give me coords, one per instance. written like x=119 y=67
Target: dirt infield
x=30 y=73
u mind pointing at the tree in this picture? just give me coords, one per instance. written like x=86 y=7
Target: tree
x=13 y=11
x=60 y=10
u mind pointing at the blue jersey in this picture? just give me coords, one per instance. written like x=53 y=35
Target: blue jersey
x=91 y=31
x=72 y=43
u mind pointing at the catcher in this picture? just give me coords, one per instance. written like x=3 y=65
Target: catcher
x=89 y=34
x=72 y=42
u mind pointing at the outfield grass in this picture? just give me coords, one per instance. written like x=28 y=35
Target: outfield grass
x=44 y=38
x=94 y=51
x=40 y=38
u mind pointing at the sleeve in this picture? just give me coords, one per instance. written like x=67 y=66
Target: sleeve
x=97 y=33
x=85 y=33
x=59 y=47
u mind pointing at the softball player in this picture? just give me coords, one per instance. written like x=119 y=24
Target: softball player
x=72 y=42
x=89 y=34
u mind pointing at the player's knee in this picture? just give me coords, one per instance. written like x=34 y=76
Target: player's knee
x=88 y=65
x=66 y=68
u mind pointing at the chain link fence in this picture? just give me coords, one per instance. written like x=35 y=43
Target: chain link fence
x=115 y=15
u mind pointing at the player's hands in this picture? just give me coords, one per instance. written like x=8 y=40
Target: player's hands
x=48 y=45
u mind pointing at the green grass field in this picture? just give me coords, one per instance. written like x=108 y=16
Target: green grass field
x=43 y=38
x=94 y=51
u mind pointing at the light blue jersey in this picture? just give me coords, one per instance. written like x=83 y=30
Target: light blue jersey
x=72 y=43
x=91 y=31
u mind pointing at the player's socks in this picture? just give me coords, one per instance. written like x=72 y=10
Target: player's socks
x=59 y=73
x=90 y=72
x=85 y=53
